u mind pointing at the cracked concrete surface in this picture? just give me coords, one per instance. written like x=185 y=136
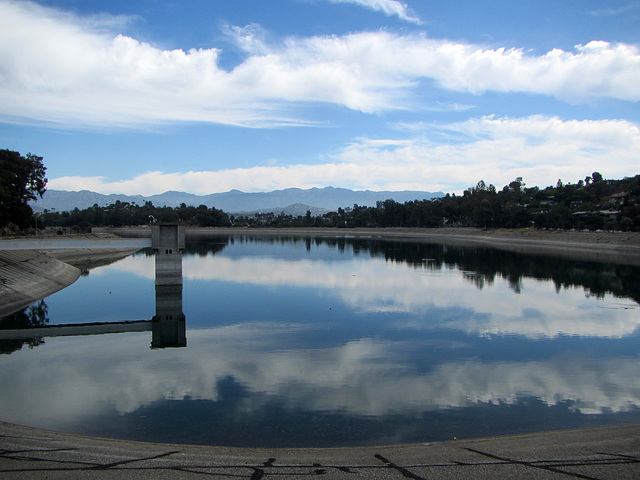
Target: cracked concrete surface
x=598 y=453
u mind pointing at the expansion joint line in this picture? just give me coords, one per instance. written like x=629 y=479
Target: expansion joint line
x=402 y=470
x=629 y=458
x=532 y=465
x=48 y=450
x=133 y=460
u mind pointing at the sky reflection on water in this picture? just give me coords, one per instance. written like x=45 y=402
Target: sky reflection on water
x=310 y=344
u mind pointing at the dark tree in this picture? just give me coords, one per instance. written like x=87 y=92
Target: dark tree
x=21 y=179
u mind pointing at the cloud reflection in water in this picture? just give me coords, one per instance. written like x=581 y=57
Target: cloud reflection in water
x=402 y=341
x=372 y=285
x=54 y=385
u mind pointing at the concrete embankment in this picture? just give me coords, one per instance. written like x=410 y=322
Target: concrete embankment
x=73 y=242
x=88 y=258
x=34 y=268
x=27 y=276
x=598 y=453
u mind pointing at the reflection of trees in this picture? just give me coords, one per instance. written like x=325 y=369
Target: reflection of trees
x=208 y=245
x=487 y=263
x=30 y=317
x=481 y=265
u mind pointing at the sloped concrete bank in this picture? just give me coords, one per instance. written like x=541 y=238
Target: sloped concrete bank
x=596 y=453
x=27 y=276
x=88 y=258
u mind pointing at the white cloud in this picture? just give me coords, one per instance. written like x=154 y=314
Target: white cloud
x=495 y=149
x=388 y=7
x=67 y=70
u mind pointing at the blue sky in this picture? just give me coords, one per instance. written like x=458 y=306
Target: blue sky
x=145 y=96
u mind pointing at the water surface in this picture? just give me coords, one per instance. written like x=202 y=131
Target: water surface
x=330 y=342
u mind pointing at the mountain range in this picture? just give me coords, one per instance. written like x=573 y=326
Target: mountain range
x=294 y=201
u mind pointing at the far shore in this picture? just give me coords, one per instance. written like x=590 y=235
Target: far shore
x=618 y=247
x=90 y=250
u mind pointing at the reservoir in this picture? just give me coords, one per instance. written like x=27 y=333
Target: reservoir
x=302 y=341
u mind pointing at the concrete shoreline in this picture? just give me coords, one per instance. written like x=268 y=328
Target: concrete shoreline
x=592 y=453
x=34 y=268
x=27 y=276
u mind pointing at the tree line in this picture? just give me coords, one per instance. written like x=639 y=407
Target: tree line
x=590 y=204
x=121 y=214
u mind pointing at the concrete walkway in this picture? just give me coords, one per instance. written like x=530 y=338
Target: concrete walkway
x=81 y=241
x=599 y=453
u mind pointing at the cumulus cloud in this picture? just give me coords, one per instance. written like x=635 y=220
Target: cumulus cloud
x=388 y=7
x=540 y=149
x=63 y=69
x=497 y=149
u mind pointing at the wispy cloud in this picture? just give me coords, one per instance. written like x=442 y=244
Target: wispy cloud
x=388 y=7
x=616 y=11
x=496 y=149
x=58 y=70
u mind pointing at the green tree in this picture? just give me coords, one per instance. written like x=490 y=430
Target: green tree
x=21 y=179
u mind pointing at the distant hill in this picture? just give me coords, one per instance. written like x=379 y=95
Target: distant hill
x=235 y=201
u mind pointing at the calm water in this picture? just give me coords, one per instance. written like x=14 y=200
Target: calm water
x=327 y=342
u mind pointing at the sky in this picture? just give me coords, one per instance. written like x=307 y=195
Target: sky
x=146 y=96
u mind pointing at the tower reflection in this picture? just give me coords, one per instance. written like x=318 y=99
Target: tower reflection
x=168 y=324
